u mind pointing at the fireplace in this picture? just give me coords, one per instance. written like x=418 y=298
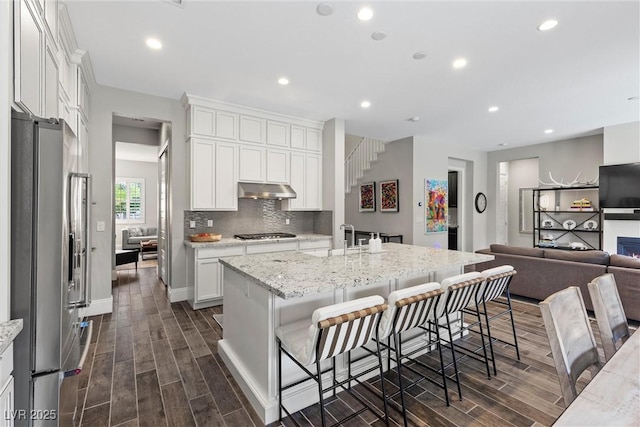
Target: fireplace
x=629 y=246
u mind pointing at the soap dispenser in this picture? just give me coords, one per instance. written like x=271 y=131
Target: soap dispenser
x=372 y=244
x=378 y=243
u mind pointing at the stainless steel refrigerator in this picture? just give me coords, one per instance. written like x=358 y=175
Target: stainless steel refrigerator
x=50 y=204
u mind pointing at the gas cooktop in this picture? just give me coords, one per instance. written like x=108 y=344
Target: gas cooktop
x=264 y=236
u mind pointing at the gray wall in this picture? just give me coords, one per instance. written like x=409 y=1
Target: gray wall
x=564 y=159
x=149 y=172
x=105 y=101
x=394 y=163
x=350 y=144
x=136 y=135
x=258 y=216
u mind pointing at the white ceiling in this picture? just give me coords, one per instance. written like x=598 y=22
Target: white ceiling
x=575 y=79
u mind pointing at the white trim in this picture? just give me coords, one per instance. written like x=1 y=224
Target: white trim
x=175 y=295
x=98 y=306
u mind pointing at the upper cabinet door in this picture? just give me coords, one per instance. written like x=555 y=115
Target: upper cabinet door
x=51 y=17
x=50 y=83
x=83 y=94
x=203 y=156
x=252 y=129
x=28 y=57
x=314 y=140
x=226 y=125
x=298 y=137
x=203 y=121
x=226 y=175
x=277 y=134
x=277 y=166
x=252 y=163
x=313 y=184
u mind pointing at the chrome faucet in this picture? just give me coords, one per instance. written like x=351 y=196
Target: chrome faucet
x=353 y=233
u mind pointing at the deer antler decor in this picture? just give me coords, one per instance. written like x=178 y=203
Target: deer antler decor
x=573 y=183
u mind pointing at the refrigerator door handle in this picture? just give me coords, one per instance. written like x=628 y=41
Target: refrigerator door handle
x=77 y=370
x=85 y=296
x=71 y=259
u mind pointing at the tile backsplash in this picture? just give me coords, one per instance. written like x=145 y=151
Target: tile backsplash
x=258 y=216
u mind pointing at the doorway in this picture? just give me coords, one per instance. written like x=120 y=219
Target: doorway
x=458 y=230
x=139 y=179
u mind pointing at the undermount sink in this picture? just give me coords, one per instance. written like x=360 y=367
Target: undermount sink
x=323 y=253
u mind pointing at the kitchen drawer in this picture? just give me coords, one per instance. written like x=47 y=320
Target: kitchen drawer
x=219 y=252
x=315 y=244
x=6 y=364
x=272 y=247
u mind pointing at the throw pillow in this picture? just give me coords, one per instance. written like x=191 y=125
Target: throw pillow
x=135 y=232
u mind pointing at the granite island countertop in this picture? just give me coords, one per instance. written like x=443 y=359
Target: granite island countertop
x=230 y=241
x=8 y=331
x=296 y=274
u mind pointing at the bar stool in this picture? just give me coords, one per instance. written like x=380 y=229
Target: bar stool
x=460 y=293
x=496 y=283
x=409 y=308
x=333 y=330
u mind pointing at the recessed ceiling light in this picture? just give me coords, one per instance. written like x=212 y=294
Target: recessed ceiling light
x=547 y=25
x=459 y=63
x=493 y=109
x=283 y=81
x=548 y=131
x=154 y=43
x=325 y=8
x=365 y=14
x=419 y=55
x=633 y=98
x=414 y=119
x=379 y=35
x=365 y=104
x=503 y=144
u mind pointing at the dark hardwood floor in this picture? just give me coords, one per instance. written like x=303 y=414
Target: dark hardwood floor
x=153 y=363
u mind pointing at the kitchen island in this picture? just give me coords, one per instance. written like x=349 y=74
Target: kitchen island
x=261 y=292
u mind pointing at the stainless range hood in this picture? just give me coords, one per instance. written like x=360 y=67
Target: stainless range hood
x=253 y=190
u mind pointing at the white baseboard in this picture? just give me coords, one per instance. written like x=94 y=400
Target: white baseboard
x=98 y=306
x=179 y=294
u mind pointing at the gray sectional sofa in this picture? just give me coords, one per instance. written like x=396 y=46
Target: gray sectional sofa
x=132 y=236
x=541 y=272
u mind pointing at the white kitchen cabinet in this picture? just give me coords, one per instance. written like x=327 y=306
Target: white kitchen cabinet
x=83 y=145
x=213 y=175
x=306 y=181
x=204 y=274
x=298 y=137
x=28 y=56
x=278 y=134
x=278 y=166
x=252 y=163
x=51 y=82
x=226 y=125
x=82 y=93
x=6 y=386
x=314 y=140
x=253 y=129
x=203 y=121
x=51 y=17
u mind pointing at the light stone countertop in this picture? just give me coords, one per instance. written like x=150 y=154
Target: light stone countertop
x=296 y=274
x=230 y=241
x=8 y=331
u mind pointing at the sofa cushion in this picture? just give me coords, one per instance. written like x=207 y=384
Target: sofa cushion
x=591 y=257
x=624 y=261
x=149 y=231
x=135 y=231
x=517 y=250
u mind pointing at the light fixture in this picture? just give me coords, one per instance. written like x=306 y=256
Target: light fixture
x=633 y=98
x=493 y=109
x=379 y=35
x=503 y=144
x=365 y=104
x=419 y=55
x=325 y=8
x=154 y=43
x=548 y=131
x=459 y=63
x=413 y=119
x=283 y=81
x=547 y=25
x=365 y=14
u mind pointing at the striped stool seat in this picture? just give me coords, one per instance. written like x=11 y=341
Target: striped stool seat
x=461 y=294
x=332 y=331
x=496 y=283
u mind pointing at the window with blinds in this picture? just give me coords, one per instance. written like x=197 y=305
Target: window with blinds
x=129 y=200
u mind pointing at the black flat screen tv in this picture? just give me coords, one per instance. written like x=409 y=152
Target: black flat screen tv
x=620 y=186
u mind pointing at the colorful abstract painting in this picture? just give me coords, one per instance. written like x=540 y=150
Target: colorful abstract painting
x=389 y=196
x=368 y=197
x=436 y=205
